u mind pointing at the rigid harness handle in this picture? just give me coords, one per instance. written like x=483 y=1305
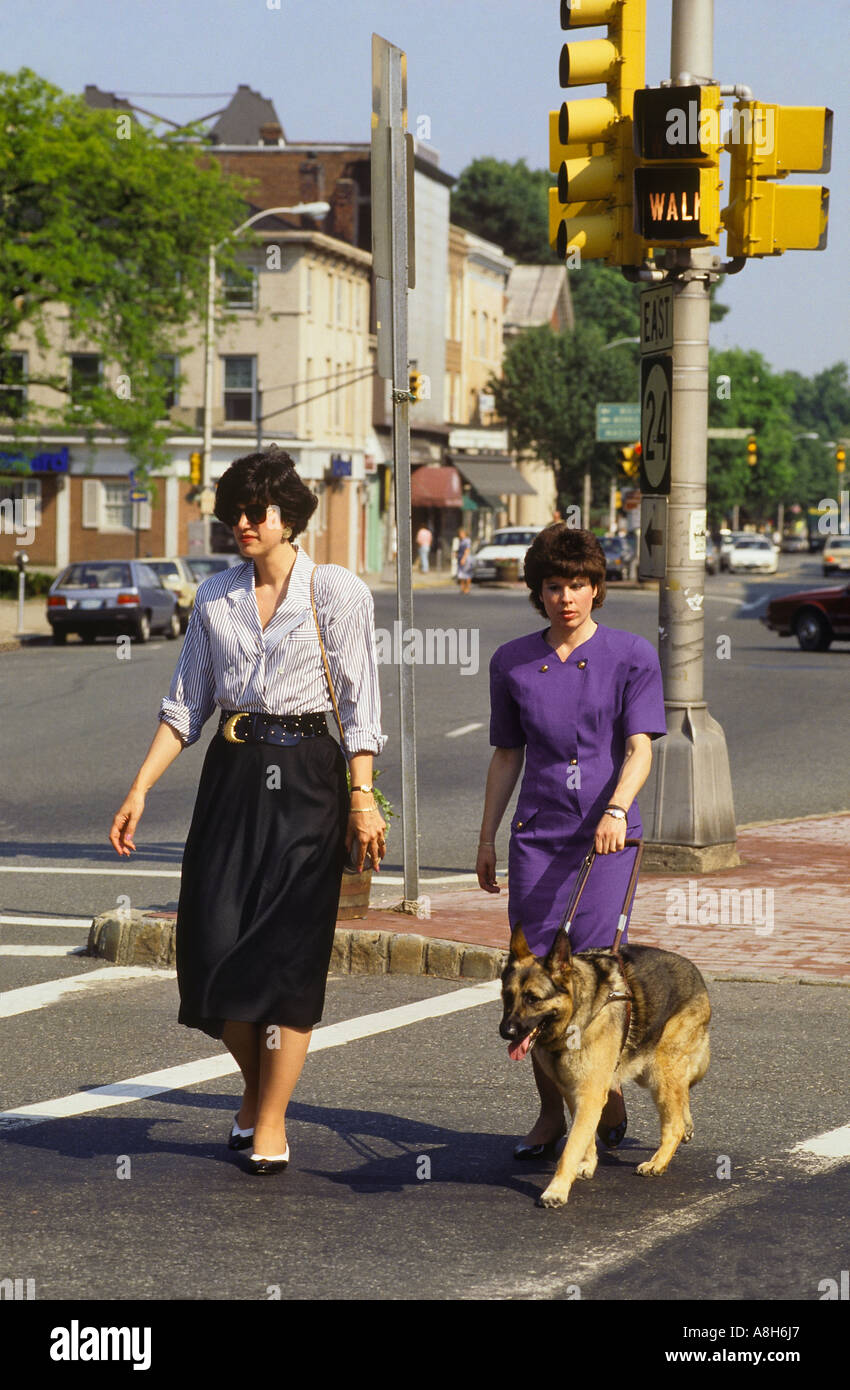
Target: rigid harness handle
x=578 y=889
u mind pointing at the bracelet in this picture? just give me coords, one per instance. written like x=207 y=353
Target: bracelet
x=616 y=811
x=488 y=844
x=362 y=810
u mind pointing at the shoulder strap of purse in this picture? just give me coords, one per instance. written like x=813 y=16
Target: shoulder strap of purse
x=324 y=653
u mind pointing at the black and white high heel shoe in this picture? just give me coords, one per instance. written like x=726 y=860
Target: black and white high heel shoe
x=240 y=1138
x=272 y=1163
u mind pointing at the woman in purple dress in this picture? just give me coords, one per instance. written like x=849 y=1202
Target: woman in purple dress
x=580 y=703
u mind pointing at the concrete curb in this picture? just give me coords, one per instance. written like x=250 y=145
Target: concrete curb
x=139 y=938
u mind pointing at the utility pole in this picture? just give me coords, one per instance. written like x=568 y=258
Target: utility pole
x=689 y=816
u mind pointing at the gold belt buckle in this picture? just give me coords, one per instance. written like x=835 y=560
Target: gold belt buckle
x=229 y=727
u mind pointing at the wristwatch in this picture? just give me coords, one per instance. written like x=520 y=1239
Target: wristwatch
x=616 y=811
x=362 y=789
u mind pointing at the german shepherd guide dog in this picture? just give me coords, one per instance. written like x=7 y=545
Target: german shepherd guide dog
x=597 y=1018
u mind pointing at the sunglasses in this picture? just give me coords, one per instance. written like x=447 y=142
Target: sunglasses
x=255 y=514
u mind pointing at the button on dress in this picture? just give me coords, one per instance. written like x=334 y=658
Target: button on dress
x=573 y=718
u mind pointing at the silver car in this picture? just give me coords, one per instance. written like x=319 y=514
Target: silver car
x=107 y=597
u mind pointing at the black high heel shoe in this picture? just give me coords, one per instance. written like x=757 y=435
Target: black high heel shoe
x=527 y=1153
x=240 y=1138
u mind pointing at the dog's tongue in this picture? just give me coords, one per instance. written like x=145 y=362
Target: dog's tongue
x=516 y=1051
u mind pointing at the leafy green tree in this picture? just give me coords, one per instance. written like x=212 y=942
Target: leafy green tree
x=101 y=216
x=547 y=396
x=821 y=407
x=508 y=204
x=745 y=393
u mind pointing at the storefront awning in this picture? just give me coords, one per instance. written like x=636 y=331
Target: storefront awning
x=435 y=487
x=492 y=478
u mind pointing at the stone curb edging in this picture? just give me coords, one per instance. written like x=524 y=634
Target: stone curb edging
x=137 y=938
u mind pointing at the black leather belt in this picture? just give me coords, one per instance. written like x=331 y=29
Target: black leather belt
x=246 y=726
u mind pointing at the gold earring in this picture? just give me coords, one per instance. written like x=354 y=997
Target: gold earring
x=287 y=532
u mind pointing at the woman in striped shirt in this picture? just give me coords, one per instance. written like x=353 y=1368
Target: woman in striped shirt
x=273 y=819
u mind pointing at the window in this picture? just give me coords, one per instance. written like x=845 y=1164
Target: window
x=240 y=292
x=13 y=385
x=85 y=375
x=482 y=342
x=239 y=377
x=337 y=396
x=116 y=507
x=167 y=367
x=20 y=504
x=474 y=333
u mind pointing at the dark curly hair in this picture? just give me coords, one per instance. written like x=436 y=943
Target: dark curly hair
x=560 y=550
x=267 y=477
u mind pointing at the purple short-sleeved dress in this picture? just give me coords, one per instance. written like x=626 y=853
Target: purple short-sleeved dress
x=574 y=718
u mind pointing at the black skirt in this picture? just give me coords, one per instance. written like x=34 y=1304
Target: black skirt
x=260 y=886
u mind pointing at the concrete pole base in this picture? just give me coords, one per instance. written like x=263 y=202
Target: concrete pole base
x=686 y=806
x=689 y=859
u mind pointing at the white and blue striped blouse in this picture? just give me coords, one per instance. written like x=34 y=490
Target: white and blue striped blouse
x=228 y=660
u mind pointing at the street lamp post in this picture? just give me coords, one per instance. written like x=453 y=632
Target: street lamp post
x=305 y=209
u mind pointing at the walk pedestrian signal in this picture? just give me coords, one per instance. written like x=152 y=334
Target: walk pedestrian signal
x=678 y=139
x=591 y=146
x=768 y=142
x=195 y=462
x=630 y=459
x=752 y=452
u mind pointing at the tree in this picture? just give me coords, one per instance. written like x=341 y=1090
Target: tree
x=547 y=396
x=820 y=406
x=101 y=216
x=745 y=393
x=508 y=204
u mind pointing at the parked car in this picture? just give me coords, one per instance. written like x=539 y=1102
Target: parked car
x=202 y=566
x=503 y=555
x=793 y=544
x=711 y=556
x=836 y=554
x=752 y=553
x=617 y=556
x=176 y=574
x=98 y=597
x=727 y=540
x=816 y=617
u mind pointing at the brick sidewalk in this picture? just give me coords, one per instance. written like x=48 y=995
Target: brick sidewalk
x=804 y=865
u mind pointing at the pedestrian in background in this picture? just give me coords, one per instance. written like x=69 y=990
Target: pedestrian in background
x=276 y=642
x=424 y=539
x=464 y=561
x=580 y=704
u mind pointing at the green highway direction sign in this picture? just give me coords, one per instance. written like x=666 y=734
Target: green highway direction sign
x=617 y=422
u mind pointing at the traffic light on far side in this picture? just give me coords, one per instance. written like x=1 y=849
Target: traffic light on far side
x=630 y=459
x=415 y=385
x=768 y=142
x=590 y=141
x=752 y=451
x=195 y=462
x=678 y=139
x=840 y=459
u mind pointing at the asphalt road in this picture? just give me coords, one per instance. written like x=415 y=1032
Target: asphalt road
x=401 y=1184
x=78 y=722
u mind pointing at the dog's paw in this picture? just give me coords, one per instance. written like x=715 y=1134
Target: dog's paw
x=688 y=1135
x=586 y=1169
x=650 y=1169
x=552 y=1198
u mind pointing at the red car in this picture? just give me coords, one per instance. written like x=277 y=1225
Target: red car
x=816 y=617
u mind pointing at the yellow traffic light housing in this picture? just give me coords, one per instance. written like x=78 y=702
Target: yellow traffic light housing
x=414 y=385
x=752 y=451
x=840 y=457
x=769 y=142
x=195 y=463
x=590 y=141
x=630 y=459
x=677 y=133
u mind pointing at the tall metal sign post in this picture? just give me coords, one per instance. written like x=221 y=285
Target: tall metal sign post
x=393 y=255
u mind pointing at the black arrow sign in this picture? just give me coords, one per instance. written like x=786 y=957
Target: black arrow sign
x=654 y=537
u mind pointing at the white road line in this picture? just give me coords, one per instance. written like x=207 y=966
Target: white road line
x=34 y=920
x=22 y=1001
x=835 y=1143
x=209 y=1068
x=41 y=950
x=71 y=871
x=464 y=729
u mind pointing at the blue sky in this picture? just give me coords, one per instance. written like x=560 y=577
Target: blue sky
x=486 y=73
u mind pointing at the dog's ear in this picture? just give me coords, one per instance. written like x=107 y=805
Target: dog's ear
x=560 y=958
x=519 y=945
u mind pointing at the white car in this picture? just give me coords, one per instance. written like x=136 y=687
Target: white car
x=752 y=553
x=503 y=556
x=836 y=554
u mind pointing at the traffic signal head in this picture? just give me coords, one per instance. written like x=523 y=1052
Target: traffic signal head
x=840 y=457
x=414 y=385
x=195 y=462
x=769 y=142
x=677 y=185
x=752 y=451
x=590 y=141
x=630 y=459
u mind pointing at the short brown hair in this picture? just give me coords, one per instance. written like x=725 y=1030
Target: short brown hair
x=267 y=476
x=560 y=550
